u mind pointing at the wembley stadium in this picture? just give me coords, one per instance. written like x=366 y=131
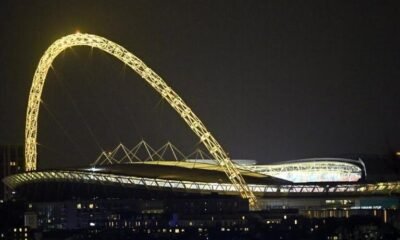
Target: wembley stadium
x=124 y=172
x=156 y=172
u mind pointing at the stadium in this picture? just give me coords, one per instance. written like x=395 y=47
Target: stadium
x=167 y=171
x=155 y=172
x=163 y=190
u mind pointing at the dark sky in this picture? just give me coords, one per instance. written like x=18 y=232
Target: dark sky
x=272 y=80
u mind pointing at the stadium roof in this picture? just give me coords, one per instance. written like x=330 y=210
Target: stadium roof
x=181 y=170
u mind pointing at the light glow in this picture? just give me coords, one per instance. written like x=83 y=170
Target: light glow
x=311 y=170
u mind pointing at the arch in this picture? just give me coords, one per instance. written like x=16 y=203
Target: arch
x=147 y=74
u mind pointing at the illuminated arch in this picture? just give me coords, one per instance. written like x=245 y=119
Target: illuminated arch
x=147 y=74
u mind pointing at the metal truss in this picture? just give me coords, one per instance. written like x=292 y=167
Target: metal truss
x=93 y=177
x=143 y=152
x=147 y=74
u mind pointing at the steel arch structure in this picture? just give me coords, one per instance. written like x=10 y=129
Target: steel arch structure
x=147 y=74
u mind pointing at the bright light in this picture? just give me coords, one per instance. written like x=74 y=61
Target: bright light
x=311 y=171
x=94 y=169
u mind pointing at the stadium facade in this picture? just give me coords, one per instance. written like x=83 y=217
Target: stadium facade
x=168 y=169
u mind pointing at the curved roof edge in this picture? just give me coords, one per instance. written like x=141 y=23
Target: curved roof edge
x=359 y=162
x=323 y=159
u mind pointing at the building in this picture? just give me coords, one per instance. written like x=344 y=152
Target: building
x=11 y=162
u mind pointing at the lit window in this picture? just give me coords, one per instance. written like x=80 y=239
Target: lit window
x=78 y=206
x=91 y=205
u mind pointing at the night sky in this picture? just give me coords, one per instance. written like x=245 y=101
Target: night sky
x=272 y=80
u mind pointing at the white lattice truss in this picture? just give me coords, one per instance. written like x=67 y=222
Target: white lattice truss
x=150 y=77
x=143 y=152
x=93 y=177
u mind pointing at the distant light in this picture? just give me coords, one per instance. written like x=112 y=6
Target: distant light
x=94 y=169
x=398 y=154
x=92 y=224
